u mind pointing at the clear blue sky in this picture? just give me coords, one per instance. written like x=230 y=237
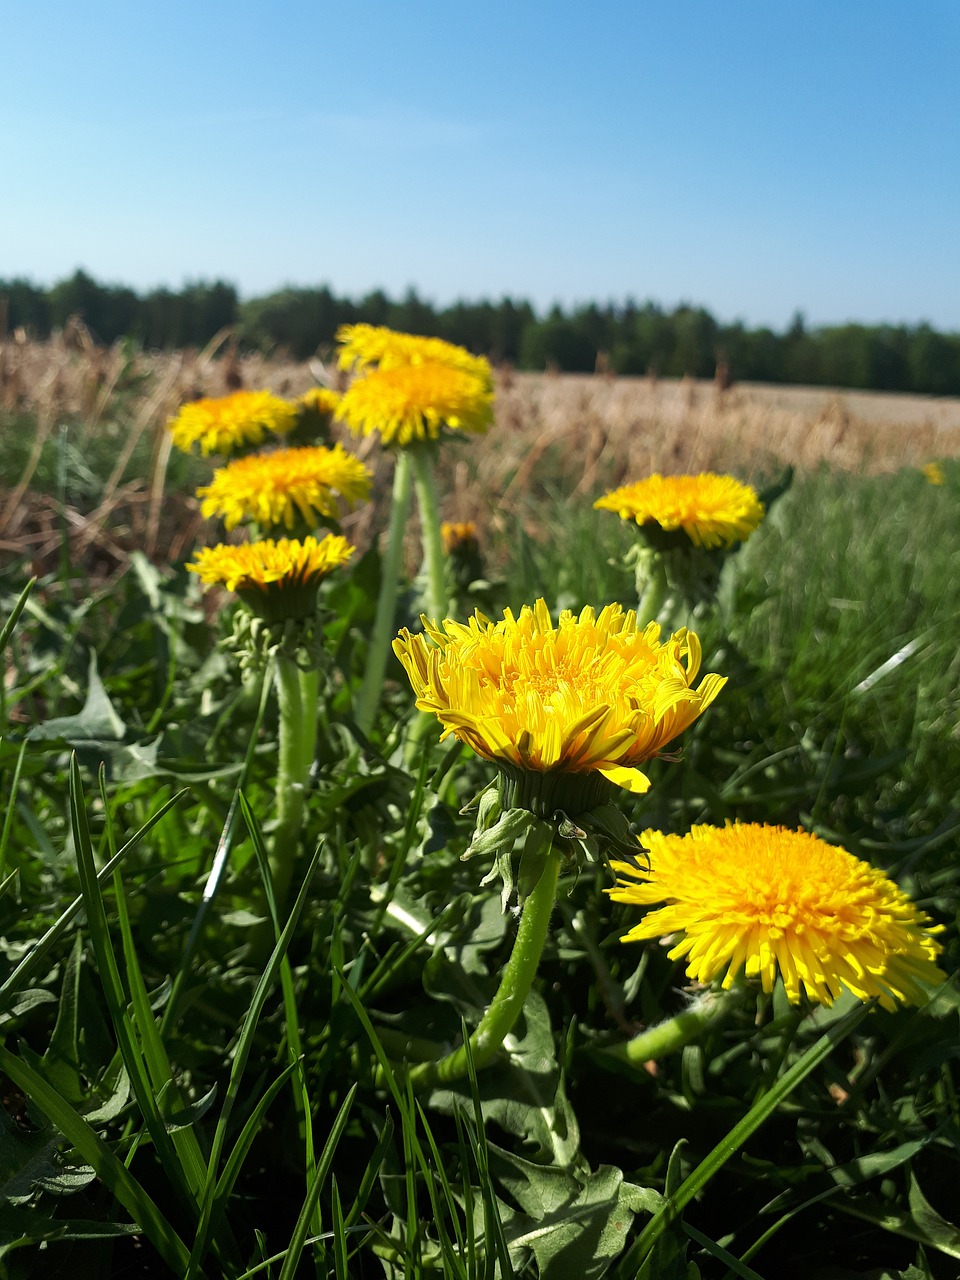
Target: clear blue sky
x=756 y=157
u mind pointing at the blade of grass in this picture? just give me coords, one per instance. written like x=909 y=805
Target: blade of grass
x=408 y=1134
x=7 y=630
x=241 y=1148
x=301 y=1096
x=762 y=1109
x=279 y=1257
x=409 y=831
x=11 y=804
x=36 y=958
x=492 y=1224
x=301 y=1229
x=207 y=1223
x=451 y=1253
x=224 y=845
x=371 y=1172
x=116 y=998
x=98 y=1155
x=736 y=1267
x=151 y=1044
x=338 y=1233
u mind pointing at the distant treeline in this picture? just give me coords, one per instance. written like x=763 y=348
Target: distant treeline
x=630 y=338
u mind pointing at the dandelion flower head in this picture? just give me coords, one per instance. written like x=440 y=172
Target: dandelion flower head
x=231 y=422
x=408 y=404
x=766 y=900
x=593 y=694
x=933 y=472
x=363 y=345
x=274 y=489
x=322 y=400
x=276 y=579
x=713 y=510
x=263 y=564
x=458 y=536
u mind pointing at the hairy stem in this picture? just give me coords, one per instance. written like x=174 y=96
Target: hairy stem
x=515 y=982
x=425 y=483
x=670 y=1036
x=368 y=698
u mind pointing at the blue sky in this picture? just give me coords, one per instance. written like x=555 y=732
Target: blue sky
x=755 y=158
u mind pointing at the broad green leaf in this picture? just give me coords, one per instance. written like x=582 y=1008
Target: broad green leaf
x=575 y=1224
x=523 y=1092
x=96 y=721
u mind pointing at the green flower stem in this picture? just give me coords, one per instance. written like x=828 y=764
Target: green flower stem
x=515 y=982
x=368 y=698
x=437 y=602
x=670 y=1036
x=297 y=692
x=424 y=481
x=653 y=588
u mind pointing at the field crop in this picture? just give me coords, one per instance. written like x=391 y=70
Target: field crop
x=280 y=996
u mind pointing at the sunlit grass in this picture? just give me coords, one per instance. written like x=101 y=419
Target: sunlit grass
x=204 y=1080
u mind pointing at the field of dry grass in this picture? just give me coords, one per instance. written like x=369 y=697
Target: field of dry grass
x=575 y=434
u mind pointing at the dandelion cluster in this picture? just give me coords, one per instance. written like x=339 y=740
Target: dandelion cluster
x=712 y=510
x=766 y=900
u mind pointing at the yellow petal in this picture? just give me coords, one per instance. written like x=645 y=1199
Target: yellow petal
x=630 y=779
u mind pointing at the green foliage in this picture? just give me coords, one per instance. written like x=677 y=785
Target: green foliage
x=199 y=1082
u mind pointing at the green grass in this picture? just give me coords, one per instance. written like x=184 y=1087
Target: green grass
x=198 y=1082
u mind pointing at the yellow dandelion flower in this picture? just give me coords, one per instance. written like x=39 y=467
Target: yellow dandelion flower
x=766 y=900
x=712 y=510
x=458 y=536
x=321 y=400
x=933 y=472
x=278 y=580
x=407 y=404
x=362 y=345
x=230 y=422
x=594 y=695
x=273 y=489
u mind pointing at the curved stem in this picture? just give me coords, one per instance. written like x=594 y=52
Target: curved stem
x=667 y=1037
x=424 y=481
x=515 y=982
x=368 y=698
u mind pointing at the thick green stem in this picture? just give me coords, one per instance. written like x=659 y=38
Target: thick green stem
x=667 y=1037
x=504 y=1009
x=314 y=716
x=297 y=694
x=368 y=698
x=425 y=483
x=653 y=588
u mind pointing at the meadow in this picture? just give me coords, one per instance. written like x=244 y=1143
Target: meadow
x=207 y=1071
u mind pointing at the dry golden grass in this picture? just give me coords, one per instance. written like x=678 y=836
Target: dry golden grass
x=577 y=434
